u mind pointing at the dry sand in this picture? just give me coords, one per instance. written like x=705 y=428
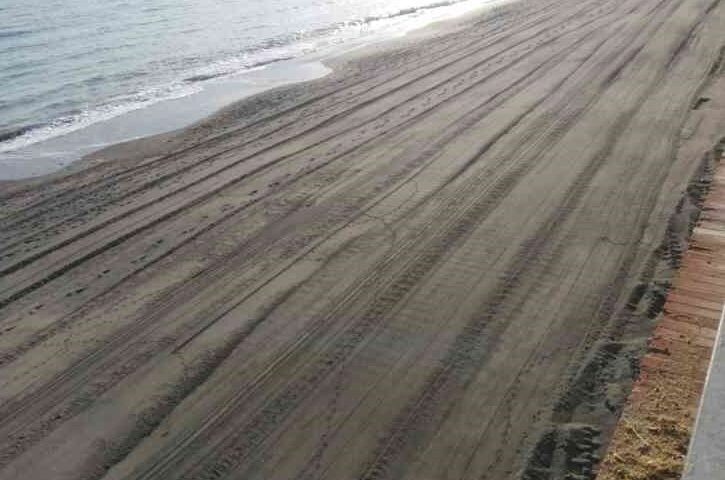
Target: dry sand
x=440 y=262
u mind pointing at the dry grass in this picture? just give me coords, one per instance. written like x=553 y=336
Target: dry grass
x=651 y=439
x=652 y=449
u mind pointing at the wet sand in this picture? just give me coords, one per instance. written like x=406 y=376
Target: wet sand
x=440 y=262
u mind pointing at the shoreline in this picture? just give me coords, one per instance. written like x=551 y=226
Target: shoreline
x=62 y=153
x=442 y=260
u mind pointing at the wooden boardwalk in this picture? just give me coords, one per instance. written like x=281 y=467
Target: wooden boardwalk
x=653 y=434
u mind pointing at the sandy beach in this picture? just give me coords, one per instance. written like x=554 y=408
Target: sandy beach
x=441 y=261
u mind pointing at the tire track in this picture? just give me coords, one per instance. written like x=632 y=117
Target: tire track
x=101 y=360
x=409 y=279
x=465 y=182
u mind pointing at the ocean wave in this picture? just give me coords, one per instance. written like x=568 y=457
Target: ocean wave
x=411 y=10
x=11 y=133
x=227 y=68
x=299 y=43
x=21 y=137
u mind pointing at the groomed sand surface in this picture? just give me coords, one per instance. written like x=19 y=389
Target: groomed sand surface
x=420 y=267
